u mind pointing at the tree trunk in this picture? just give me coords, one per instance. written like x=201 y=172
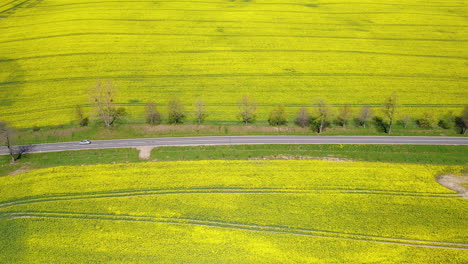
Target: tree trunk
x=321 y=126
x=13 y=160
x=390 y=128
x=12 y=154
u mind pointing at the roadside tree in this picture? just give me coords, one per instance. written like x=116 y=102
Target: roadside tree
x=102 y=96
x=278 y=116
x=462 y=121
x=303 y=117
x=175 y=111
x=200 y=111
x=152 y=115
x=7 y=138
x=247 y=110
x=389 y=109
x=406 y=120
x=323 y=115
x=365 y=114
x=344 y=115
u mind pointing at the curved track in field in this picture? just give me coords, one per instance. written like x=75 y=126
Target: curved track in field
x=153 y=192
x=236 y=226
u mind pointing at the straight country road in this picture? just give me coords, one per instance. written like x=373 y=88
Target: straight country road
x=242 y=140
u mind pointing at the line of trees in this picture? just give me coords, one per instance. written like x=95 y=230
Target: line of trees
x=102 y=97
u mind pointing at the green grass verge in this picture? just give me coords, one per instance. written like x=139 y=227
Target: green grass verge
x=82 y=157
x=449 y=155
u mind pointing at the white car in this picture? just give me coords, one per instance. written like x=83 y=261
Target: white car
x=85 y=142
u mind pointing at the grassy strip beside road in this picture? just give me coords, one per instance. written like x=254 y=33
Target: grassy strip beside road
x=124 y=131
x=52 y=159
x=443 y=155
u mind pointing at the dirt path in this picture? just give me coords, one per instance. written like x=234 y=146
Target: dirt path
x=455 y=183
x=145 y=152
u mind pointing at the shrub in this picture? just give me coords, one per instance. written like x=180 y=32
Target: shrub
x=175 y=112
x=447 y=121
x=427 y=120
x=278 y=116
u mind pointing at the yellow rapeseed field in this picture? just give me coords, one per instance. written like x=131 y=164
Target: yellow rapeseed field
x=233 y=212
x=288 y=52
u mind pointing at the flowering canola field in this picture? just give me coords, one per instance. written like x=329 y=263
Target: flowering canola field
x=289 y=52
x=233 y=212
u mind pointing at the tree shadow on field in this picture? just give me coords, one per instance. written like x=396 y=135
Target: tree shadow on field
x=11 y=78
x=10 y=10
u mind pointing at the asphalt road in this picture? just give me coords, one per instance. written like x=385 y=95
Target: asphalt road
x=242 y=140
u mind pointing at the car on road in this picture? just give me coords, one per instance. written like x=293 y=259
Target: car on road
x=85 y=142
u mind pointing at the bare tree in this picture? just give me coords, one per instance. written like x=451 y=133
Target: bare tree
x=153 y=117
x=406 y=120
x=344 y=114
x=324 y=113
x=389 y=109
x=7 y=138
x=303 y=117
x=200 y=111
x=278 y=116
x=175 y=111
x=102 y=97
x=365 y=114
x=247 y=109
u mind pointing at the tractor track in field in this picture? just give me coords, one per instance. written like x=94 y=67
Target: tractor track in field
x=235 y=226
x=153 y=192
x=55 y=22
x=136 y=34
x=172 y=52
